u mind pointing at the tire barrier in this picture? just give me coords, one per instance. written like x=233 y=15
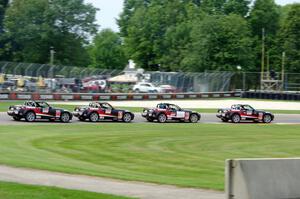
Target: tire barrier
x=115 y=96
x=272 y=95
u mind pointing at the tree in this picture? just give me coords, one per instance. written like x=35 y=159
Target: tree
x=220 y=43
x=34 y=26
x=239 y=7
x=290 y=38
x=107 y=51
x=3 y=6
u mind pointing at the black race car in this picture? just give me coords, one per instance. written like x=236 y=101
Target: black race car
x=239 y=112
x=164 y=112
x=97 y=111
x=32 y=110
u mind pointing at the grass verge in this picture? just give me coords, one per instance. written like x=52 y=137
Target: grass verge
x=19 y=191
x=189 y=155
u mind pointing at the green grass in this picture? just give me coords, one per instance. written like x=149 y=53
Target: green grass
x=19 y=191
x=4 y=106
x=190 y=155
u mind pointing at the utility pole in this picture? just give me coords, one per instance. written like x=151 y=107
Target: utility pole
x=263 y=56
x=282 y=70
x=52 y=52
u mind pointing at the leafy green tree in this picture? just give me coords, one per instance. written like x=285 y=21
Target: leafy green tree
x=3 y=6
x=3 y=40
x=107 y=51
x=220 y=43
x=290 y=38
x=34 y=26
x=239 y=7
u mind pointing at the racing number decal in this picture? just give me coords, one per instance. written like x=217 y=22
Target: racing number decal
x=108 y=111
x=45 y=110
x=120 y=114
x=249 y=112
x=57 y=113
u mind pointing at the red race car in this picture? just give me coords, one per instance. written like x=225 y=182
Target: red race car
x=32 y=110
x=102 y=111
x=240 y=112
x=164 y=112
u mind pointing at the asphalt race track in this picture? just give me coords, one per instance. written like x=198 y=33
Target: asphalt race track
x=206 y=118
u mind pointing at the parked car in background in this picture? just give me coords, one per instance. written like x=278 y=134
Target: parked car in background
x=239 y=112
x=33 y=110
x=145 y=87
x=168 y=89
x=97 y=111
x=164 y=112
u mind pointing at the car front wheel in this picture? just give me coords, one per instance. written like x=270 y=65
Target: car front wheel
x=162 y=118
x=65 y=117
x=267 y=118
x=30 y=116
x=236 y=118
x=194 y=118
x=94 y=117
x=127 y=117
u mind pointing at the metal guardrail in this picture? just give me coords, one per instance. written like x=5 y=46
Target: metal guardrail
x=115 y=96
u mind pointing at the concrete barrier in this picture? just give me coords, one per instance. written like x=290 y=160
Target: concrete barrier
x=263 y=179
x=114 y=96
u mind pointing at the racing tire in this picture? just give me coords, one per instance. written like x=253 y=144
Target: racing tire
x=236 y=118
x=30 y=116
x=162 y=118
x=16 y=118
x=65 y=117
x=194 y=118
x=267 y=118
x=127 y=118
x=94 y=117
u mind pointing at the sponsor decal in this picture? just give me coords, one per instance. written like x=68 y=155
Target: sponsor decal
x=57 y=113
x=45 y=110
x=260 y=116
x=153 y=96
x=46 y=97
x=137 y=97
x=192 y=96
x=104 y=97
x=120 y=114
x=23 y=96
x=167 y=96
x=4 y=96
x=86 y=97
x=122 y=97
x=108 y=111
x=179 y=96
x=187 y=116
x=67 y=97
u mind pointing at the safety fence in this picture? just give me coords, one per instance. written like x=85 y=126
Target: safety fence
x=272 y=95
x=115 y=97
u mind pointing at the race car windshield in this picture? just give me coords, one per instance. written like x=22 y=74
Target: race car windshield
x=42 y=104
x=32 y=104
x=162 y=106
x=247 y=107
x=236 y=107
x=174 y=107
x=107 y=106
x=94 y=105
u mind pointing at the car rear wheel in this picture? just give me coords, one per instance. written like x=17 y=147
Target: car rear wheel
x=194 y=118
x=267 y=118
x=94 y=117
x=16 y=118
x=30 y=116
x=236 y=118
x=162 y=118
x=65 y=117
x=127 y=117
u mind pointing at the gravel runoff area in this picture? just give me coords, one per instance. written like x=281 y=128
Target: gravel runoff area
x=221 y=103
x=103 y=185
